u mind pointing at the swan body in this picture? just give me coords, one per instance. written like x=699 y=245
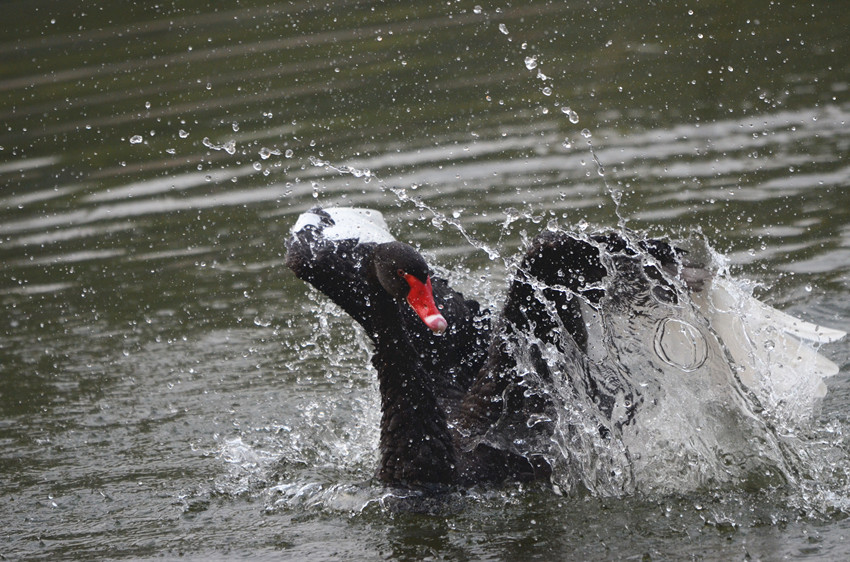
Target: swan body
x=609 y=351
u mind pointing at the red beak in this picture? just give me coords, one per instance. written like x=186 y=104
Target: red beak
x=421 y=300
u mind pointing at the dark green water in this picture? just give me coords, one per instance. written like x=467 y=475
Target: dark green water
x=168 y=388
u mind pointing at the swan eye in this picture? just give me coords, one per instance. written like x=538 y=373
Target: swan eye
x=400 y=272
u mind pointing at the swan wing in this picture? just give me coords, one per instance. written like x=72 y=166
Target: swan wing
x=793 y=326
x=346 y=223
x=775 y=354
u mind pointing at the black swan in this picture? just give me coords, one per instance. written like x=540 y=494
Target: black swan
x=460 y=404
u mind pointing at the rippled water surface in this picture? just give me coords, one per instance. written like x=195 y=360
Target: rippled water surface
x=167 y=387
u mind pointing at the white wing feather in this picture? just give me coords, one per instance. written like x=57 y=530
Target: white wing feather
x=774 y=354
x=349 y=223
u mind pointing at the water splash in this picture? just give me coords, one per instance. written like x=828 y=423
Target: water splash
x=438 y=219
x=532 y=63
x=664 y=399
x=680 y=344
x=323 y=454
x=363 y=173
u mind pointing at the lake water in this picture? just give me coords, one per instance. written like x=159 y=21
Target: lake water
x=168 y=388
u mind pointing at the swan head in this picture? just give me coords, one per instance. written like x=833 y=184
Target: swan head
x=403 y=274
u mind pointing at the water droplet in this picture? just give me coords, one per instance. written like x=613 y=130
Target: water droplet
x=586 y=133
x=571 y=115
x=136 y=139
x=567 y=144
x=182 y=134
x=288 y=153
x=477 y=9
x=503 y=28
x=266 y=153
x=808 y=288
x=531 y=62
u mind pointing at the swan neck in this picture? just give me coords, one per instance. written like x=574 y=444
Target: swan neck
x=417 y=448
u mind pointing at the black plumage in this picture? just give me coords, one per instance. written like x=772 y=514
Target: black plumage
x=454 y=404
